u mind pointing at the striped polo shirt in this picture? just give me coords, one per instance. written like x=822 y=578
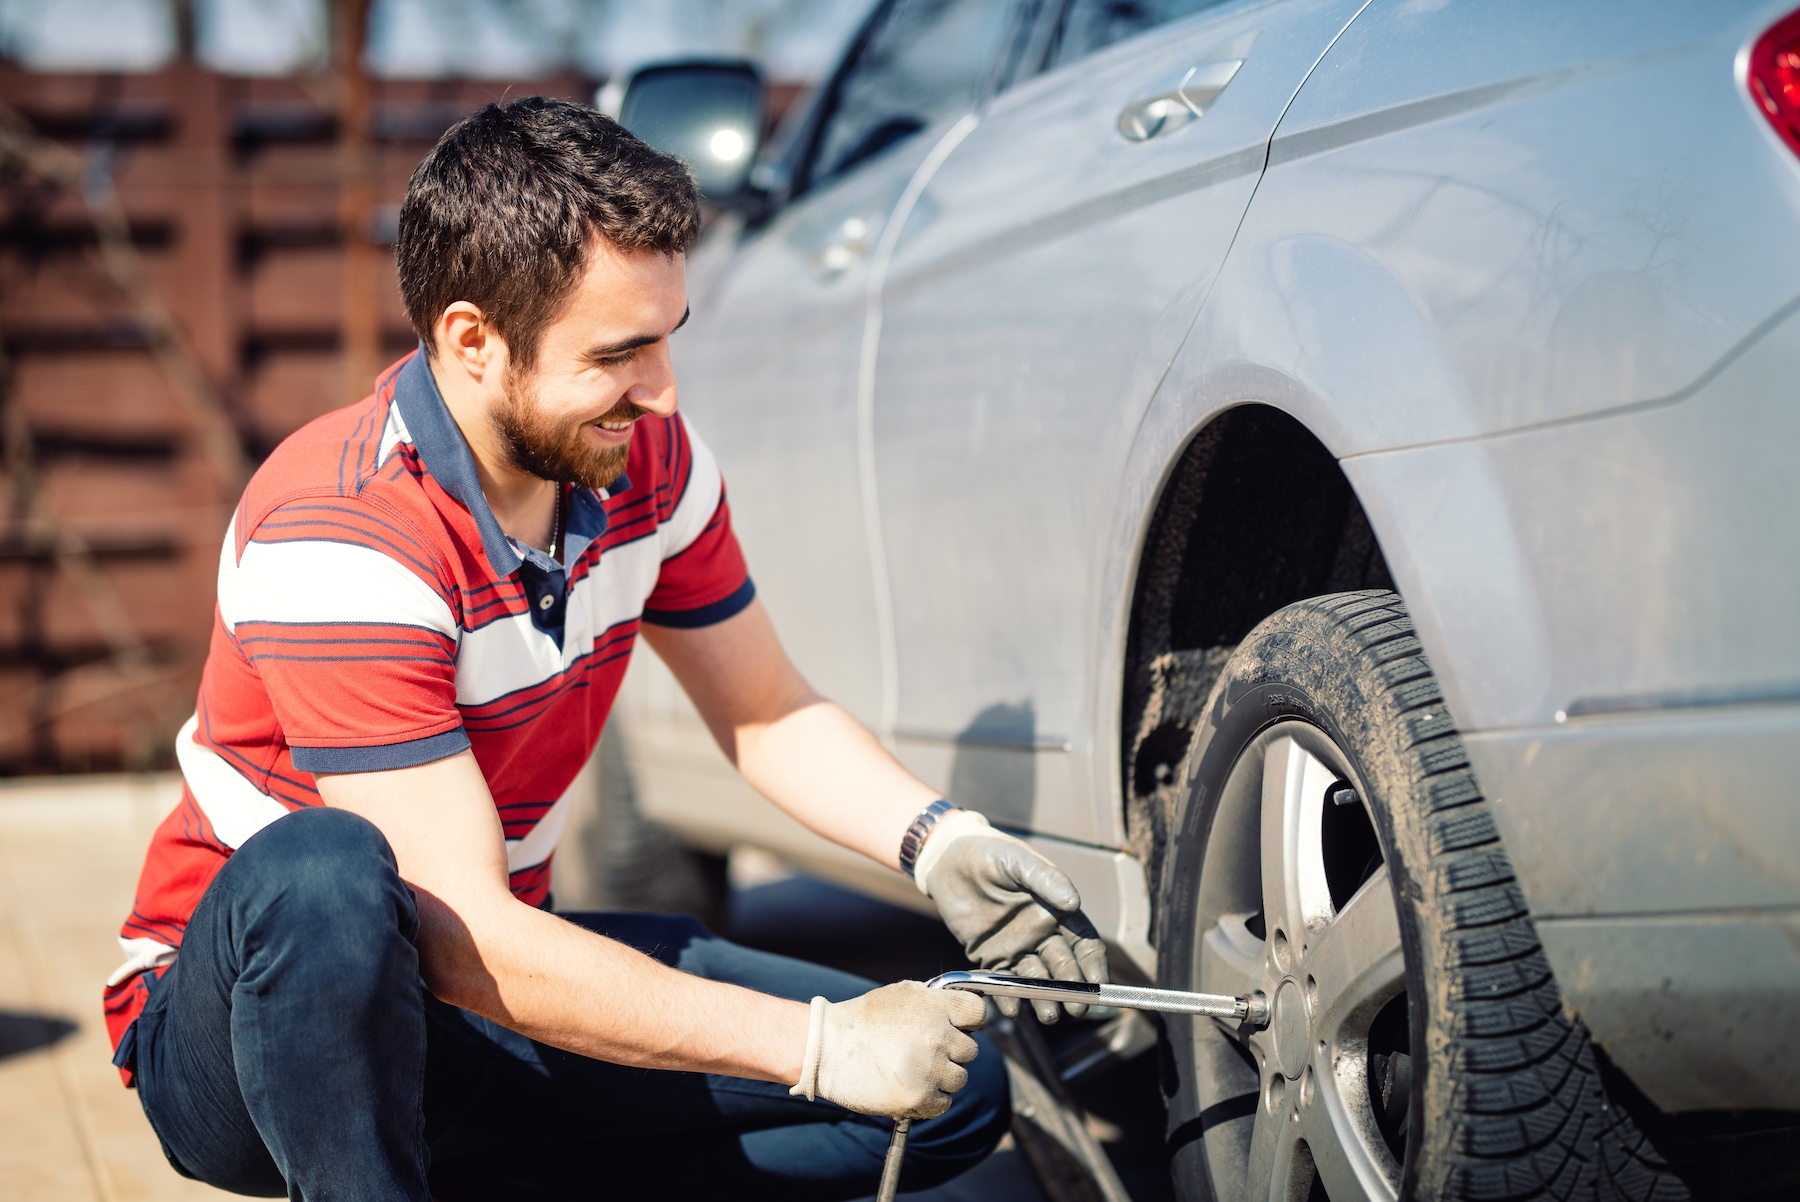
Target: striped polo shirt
x=372 y=615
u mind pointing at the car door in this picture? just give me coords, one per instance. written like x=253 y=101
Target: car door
x=768 y=365
x=1035 y=296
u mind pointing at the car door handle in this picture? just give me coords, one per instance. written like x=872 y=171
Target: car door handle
x=849 y=242
x=1169 y=109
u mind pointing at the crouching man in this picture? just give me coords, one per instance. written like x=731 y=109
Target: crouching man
x=343 y=980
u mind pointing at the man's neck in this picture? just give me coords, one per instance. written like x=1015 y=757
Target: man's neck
x=523 y=504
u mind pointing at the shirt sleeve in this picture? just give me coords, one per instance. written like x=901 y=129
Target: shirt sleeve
x=346 y=616
x=704 y=578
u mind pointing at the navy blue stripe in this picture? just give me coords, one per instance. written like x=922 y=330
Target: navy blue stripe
x=626 y=542
x=363 y=510
x=280 y=642
x=380 y=759
x=641 y=499
x=251 y=770
x=639 y=520
x=433 y=631
x=362 y=437
x=706 y=615
x=353 y=659
x=295 y=509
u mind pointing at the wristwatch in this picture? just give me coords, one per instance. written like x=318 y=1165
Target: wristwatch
x=914 y=839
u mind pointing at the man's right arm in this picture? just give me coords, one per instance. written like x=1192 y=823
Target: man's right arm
x=484 y=950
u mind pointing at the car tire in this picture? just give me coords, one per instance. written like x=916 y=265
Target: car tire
x=1333 y=852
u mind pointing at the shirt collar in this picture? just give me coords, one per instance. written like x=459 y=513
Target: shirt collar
x=446 y=455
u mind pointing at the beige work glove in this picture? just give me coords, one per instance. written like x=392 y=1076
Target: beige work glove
x=1013 y=910
x=896 y=1051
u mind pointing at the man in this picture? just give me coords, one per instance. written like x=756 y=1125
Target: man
x=343 y=981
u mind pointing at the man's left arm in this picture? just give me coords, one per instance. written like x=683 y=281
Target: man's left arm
x=1011 y=908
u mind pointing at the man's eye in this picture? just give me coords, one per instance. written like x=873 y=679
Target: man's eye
x=617 y=360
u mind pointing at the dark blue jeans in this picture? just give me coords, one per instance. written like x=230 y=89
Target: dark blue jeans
x=291 y=1049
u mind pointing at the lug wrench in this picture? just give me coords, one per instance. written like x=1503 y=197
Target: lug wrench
x=1253 y=1010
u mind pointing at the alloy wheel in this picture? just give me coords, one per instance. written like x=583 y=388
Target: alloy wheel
x=1296 y=903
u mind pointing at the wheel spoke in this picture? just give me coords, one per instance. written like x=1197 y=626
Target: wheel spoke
x=1356 y=964
x=1338 y=1155
x=1296 y=896
x=1232 y=960
x=1353 y=969
x=1280 y=1167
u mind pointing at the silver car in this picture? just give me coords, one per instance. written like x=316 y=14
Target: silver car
x=1328 y=471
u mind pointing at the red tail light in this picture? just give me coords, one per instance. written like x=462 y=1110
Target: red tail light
x=1774 y=78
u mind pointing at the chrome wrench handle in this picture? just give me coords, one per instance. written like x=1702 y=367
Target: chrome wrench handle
x=1253 y=1009
x=890 y=1167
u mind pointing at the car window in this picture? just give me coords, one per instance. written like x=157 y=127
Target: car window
x=925 y=59
x=1089 y=25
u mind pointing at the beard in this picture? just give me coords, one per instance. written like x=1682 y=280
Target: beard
x=538 y=446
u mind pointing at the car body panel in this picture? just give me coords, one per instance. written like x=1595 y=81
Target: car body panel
x=1697 y=1009
x=771 y=386
x=1561 y=208
x=1005 y=399
x=1608 y=565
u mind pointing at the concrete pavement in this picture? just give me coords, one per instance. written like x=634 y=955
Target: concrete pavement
x=69 y=855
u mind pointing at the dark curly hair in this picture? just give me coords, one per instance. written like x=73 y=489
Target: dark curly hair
x=503 y=209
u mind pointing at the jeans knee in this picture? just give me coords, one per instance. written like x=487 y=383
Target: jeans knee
x=328 y=871
x=990 y=1097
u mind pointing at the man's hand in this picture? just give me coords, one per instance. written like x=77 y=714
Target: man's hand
x=897 y=1051
x=1014 y=910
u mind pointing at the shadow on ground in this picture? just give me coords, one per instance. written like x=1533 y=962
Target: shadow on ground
x=25 y=1032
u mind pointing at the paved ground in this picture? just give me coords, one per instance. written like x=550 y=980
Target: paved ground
x=69 y=856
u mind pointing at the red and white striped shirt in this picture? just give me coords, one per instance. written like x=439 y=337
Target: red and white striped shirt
x=372 y=615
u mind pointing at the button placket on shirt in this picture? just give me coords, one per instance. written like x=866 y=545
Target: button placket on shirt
x=545 y=590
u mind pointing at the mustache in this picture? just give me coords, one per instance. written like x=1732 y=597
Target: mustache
x=624 y=411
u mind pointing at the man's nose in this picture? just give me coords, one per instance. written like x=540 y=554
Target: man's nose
x=655 y=392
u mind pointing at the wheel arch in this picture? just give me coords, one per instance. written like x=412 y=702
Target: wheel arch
x=1220 y=550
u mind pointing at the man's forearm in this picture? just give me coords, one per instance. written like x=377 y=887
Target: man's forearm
x=483 y=949
x=800 y=751
x=568 y=987
x=824 y=767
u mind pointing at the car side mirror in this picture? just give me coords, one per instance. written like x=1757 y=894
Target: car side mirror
x=708 y=112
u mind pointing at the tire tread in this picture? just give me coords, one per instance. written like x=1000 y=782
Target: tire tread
x=1531 y=1118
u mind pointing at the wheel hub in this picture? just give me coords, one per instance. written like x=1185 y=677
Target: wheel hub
x=1291 y=1029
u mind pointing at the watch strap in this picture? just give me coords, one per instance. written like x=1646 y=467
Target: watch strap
x=914 y=839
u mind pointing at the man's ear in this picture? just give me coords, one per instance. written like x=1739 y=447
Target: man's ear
x=466 y=340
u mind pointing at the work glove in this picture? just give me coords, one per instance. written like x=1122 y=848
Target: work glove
x=1013 y=910
x=897 y=1051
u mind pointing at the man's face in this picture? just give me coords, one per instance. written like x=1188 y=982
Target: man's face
x=603 y=363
